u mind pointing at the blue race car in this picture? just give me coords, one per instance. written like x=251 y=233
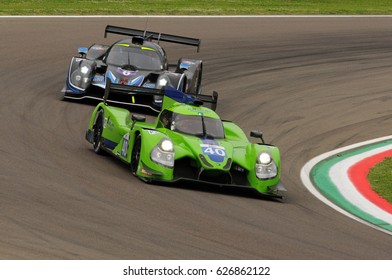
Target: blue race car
x=137 y=62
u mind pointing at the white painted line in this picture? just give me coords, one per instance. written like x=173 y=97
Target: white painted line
x=197 y=16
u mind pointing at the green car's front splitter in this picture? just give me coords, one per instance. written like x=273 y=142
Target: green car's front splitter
x=275 y=192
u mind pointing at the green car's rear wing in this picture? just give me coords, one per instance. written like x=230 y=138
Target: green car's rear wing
x=168 y=91
x=153 y=35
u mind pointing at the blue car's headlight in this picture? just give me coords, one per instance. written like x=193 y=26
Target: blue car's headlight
x=85 y=69
x=81 y=77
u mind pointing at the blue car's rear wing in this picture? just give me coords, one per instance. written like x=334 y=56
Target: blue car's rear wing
x=179 y=96
x=153 y=35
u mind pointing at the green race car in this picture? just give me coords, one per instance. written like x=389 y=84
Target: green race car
x=187 y=142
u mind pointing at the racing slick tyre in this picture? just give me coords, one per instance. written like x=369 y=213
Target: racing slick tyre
x=98 y=128
x=135 y=157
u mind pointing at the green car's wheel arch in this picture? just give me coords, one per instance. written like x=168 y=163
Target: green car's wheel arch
x=98 y=129
x=135 y=157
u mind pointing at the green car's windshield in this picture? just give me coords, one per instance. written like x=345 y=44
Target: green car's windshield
x=128 y=55
x=198 y=126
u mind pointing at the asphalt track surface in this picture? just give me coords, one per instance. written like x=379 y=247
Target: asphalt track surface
x=310 y=84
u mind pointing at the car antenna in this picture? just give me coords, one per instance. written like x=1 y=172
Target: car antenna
x=145 y=28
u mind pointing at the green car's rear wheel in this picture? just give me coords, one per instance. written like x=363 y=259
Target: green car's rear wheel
x=98 y=128
x=135 y=158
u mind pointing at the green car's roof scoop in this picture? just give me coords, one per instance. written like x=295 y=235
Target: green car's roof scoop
x=181 y=97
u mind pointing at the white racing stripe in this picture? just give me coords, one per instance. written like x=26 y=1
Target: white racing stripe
x=199 y=16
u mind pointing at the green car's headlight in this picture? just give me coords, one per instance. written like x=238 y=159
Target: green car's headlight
x=265 y=167
x=264 y=158
x=166 y=145
x=163 y=153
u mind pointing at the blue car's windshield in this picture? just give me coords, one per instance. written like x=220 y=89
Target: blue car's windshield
x=142 y=58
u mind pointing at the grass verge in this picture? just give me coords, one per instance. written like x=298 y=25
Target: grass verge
x=195 y=7
x=380 y=178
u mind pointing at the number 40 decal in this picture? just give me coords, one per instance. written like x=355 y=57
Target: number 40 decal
x=220 y=151
x=214 y=152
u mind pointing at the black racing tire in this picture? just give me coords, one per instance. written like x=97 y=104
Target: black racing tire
x=98 y=129
x=135 y=157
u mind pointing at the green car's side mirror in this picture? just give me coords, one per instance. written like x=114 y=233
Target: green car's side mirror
x=137 y=118
x=257 y=134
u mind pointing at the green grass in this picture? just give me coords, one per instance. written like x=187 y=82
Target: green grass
x=380 y=178
x=194 y=7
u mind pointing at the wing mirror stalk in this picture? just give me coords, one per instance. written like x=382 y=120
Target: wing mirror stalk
x=137 y=118
x=82 y=52
x=257 y=134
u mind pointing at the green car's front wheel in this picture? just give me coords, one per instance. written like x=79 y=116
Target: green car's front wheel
x=98 y=128
x=135 y=158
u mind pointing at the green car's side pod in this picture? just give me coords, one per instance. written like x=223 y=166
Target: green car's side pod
x=187 y=142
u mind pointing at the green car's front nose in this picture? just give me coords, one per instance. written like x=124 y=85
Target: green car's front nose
x=208 y=164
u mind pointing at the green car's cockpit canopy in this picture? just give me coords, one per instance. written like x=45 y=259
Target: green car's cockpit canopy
x=192 y=124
